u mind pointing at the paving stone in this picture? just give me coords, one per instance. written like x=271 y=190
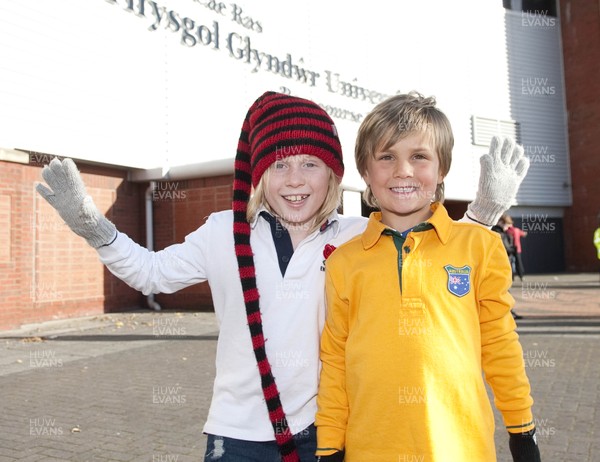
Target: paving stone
x=102 y=403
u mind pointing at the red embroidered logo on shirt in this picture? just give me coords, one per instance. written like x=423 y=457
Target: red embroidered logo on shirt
x=327 y=250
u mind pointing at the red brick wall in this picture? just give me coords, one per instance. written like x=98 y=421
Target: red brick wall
x=46 y=271
x=581 y=36
x=181 y=207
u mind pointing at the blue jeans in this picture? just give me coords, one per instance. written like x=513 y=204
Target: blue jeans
x=223 y=449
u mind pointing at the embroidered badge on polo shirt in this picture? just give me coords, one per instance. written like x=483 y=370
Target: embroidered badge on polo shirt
x=459 y=280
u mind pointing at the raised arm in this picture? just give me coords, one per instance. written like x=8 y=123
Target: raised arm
x=68 y=196
x=502 y=171
x=167 y=271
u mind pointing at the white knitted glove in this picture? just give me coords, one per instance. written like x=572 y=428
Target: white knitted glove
x=502 y=171
x=70 y=199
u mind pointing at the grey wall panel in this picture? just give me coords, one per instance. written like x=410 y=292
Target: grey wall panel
x=538 y=105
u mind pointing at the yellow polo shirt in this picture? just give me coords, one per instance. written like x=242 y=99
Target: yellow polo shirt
x=406 y=342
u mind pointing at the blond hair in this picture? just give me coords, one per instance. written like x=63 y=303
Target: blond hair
x=331 y=202
x=393 y=120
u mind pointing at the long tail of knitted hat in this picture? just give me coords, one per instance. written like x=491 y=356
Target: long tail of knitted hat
x=275 y=124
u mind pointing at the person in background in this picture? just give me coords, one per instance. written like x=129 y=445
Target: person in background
x=597 y=239
x=264 y=263
x=417 y=308
x=507 y=241
x=516 y=234
x=509 y=246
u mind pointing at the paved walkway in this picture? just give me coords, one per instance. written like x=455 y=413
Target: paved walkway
x=137 y=386
x=566 y=295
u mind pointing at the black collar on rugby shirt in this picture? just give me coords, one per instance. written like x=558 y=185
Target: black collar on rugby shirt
x=283 y=240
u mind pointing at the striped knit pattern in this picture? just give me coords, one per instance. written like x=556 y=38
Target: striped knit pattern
x=276 y=126
x=283 y=126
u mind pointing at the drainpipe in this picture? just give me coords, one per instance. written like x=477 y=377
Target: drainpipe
x=150 y=237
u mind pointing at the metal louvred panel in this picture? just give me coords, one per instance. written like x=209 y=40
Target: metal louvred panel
x=537 y=102
x=483 y=129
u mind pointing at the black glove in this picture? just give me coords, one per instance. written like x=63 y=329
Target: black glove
x=335 y=457
x=523 y=447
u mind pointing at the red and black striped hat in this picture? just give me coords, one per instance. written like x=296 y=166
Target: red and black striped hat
x=276 y=126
